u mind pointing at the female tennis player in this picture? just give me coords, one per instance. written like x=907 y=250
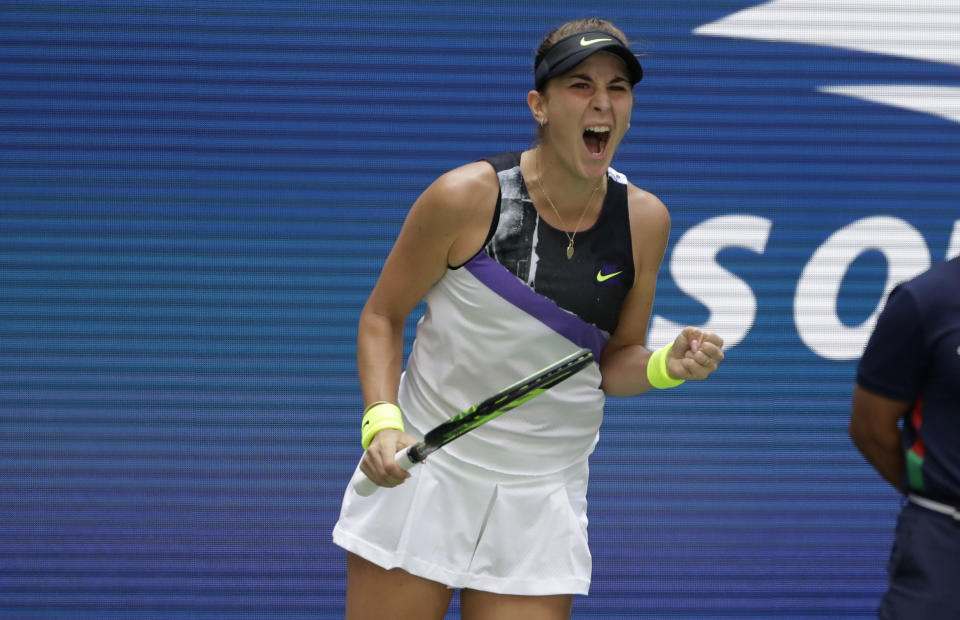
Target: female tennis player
x=522 y=259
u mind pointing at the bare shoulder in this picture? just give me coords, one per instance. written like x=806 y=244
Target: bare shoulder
x=643 y=204
x=466 y=187
x=648 y=214
x=461 y=203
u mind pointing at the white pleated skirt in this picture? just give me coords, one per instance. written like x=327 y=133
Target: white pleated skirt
x=468 y=527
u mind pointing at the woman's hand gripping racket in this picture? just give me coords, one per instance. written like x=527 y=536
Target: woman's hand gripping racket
x=484 y=411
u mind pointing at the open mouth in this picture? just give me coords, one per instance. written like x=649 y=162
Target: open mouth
x=595 y=139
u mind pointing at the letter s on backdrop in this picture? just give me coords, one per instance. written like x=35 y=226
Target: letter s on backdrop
x=695 y=270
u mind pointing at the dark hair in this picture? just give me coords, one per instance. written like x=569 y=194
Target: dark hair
x=591 y=24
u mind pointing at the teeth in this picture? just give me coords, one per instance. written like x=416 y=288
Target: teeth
x=599 y=129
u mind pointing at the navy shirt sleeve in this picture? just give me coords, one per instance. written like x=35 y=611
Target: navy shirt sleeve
x=893 y=362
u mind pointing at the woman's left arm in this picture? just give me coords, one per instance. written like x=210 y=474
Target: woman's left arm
x=623 y=366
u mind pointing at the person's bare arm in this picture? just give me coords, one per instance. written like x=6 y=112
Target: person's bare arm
x=445 y=226
x=695 y=353
x=874 y=430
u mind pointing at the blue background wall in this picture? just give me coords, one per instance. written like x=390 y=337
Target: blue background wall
x=196 y=198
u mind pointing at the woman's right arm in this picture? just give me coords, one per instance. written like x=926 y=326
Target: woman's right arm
x=445 y=226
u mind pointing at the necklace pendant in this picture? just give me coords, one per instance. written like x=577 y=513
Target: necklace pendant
x=570 y=251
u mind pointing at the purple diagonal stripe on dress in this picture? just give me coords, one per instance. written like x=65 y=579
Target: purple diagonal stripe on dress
x=567 y=324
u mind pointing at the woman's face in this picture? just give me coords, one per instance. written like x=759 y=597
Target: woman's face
x=588 y=111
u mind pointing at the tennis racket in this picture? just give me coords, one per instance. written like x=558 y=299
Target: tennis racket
x=481 y=413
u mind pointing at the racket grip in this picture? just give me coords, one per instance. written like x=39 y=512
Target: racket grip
x=365 y=487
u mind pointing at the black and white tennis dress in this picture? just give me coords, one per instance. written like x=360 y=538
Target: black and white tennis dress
x=503 y=508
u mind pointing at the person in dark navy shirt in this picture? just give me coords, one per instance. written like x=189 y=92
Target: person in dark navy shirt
x=905 y=420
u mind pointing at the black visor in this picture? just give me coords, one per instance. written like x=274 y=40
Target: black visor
x=570 y=51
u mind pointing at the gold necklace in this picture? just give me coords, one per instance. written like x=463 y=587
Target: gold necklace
x=543 y=190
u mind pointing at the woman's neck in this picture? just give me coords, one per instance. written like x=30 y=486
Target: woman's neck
x=568 y=194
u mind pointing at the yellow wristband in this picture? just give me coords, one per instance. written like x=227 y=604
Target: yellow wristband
x=377 y=417
x=657 y=373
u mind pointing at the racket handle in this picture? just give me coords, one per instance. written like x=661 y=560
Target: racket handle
x=365 y=487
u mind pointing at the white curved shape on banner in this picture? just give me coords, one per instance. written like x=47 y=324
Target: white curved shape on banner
x=815 y=302
x=927 y=30
x=953 y=247
x=943 y=101
x=922 y=29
